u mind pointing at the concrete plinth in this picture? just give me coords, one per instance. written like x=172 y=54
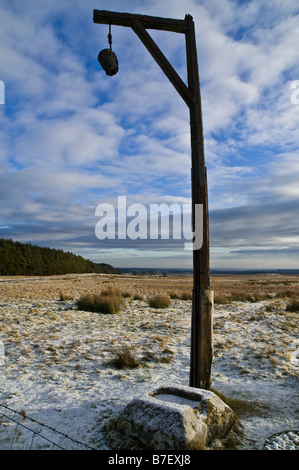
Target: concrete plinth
x=176 y=417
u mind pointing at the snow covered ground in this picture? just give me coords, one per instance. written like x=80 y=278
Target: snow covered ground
x=58 y=381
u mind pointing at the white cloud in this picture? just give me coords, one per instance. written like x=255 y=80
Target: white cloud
x=75 y=140
x=70 y=135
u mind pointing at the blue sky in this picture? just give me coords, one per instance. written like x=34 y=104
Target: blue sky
x=72 y=138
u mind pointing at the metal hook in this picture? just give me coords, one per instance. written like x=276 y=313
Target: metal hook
x=110 y=37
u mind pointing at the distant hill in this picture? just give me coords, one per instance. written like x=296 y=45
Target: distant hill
x=213 y=271
x=25 y=259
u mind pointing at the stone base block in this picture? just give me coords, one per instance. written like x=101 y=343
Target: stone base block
x=176 y=417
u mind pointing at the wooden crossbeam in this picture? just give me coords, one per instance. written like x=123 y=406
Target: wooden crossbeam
x=149 y=22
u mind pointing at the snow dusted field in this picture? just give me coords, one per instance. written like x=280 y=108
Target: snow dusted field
x=58 y=381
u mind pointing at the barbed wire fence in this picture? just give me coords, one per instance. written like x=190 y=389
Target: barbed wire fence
x=34 y=434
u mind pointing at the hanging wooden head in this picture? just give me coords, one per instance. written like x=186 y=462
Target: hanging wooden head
x=108 y=59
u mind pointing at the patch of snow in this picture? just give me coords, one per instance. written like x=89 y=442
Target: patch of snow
x=286 y=440
x=168 y=397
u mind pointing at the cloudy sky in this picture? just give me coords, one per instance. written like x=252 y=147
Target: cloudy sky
x=72 y=138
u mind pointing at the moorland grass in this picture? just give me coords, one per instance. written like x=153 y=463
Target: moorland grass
x=221 y=298
x=186 y=295
x=159 y=301
x=100 y=303
x=64 y=297
x=125 y=359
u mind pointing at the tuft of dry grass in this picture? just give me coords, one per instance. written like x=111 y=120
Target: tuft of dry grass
x=138 y=297
x=112 y=292
x=159 y=301
x=288 y=294
x=100 y=303
x=63 y=297
x=272 y=306
x=126 y=294
x=174 y=295
x=186 y=295
x=125 y=359
x=293 y=306
x=221 y=299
